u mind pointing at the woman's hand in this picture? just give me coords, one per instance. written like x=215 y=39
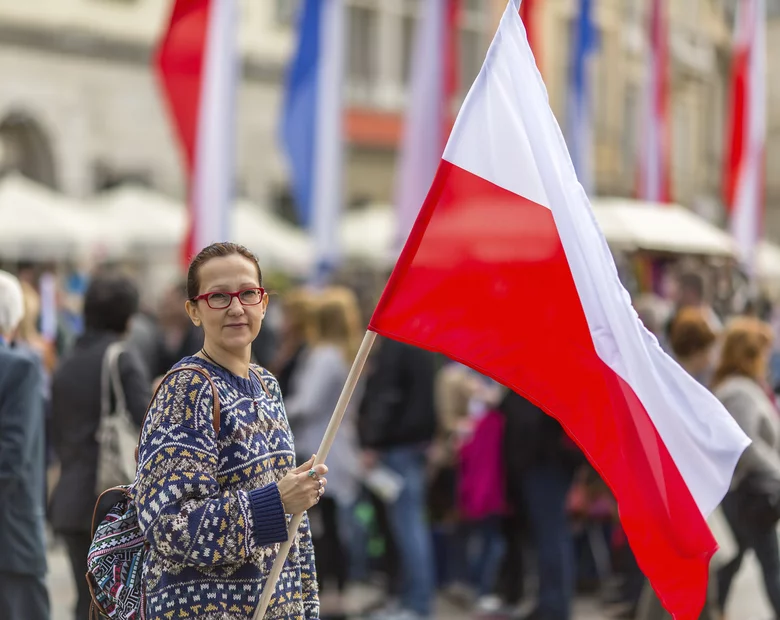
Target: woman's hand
x=300 y=490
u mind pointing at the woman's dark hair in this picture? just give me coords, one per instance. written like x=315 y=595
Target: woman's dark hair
x=216 y=250
x=110 y=301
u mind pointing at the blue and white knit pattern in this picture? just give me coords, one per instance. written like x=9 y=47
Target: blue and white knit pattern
x=209 y=506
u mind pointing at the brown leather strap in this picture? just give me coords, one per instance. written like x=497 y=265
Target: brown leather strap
x=216 y=409
x=260 y=378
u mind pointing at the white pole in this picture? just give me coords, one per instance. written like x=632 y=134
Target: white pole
x=322 y=454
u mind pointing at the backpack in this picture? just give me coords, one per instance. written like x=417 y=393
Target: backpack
x=116 y=555
x=117 y=432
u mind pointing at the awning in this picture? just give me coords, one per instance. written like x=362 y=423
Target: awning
x=660 y=228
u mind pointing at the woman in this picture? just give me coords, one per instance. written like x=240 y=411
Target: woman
x=213 y=506
x=740 y=384
x=109 y=304
x=334 y=330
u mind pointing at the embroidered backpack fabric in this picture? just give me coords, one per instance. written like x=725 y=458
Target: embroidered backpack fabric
x=116 y=556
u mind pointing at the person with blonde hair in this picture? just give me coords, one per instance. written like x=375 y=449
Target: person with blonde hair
x=333 y=330
x=740 y=384
x=23 y=592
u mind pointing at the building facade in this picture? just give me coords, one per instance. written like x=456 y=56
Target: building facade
x=80 y=109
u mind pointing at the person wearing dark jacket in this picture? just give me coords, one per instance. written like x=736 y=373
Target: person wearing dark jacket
x=540 y=463
x=109 y=304
x=397 y=422
x=23 y=594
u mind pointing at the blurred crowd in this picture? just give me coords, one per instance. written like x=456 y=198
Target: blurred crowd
x=442 y=482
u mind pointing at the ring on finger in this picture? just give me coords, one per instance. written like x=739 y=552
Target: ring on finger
x=320 y=492
x=322 y=483
x=313 y=474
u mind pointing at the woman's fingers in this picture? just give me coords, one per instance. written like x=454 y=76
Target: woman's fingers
x=305 y=467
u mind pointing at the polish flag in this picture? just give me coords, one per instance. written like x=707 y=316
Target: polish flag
x=654 y=175
x=744 y=175
x=428 y=120
x=507 y=271
x=197 y=64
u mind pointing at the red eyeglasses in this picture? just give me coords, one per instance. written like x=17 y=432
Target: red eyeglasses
x=220 y=301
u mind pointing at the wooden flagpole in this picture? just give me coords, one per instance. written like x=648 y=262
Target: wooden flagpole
x=322 y=454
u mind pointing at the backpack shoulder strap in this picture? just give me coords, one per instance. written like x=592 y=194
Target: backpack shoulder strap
x=216 y=408
x=259 y=375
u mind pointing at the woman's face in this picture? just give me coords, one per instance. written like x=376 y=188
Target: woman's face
x=235 y=327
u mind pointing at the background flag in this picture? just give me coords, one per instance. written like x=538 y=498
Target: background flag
x=312 y=125
x=197 y=63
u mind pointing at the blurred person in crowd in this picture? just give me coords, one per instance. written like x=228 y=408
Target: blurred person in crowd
x=740 y=382
x=29 y=338
x=178 y=336
x=247 y=481
x=296 y=310
x=455 y=386
x=691 y=294
x=23 y=594
x=482 y=500
x=29 y=334
x=316 y=385
x=540 y=463
x=692 y=339
x=110 y=302
x=397 y=423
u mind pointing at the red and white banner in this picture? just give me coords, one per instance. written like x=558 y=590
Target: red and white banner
x=744 y=174
x=654 y=181
x=432 y=86
x=507 y=271
x=197 y=63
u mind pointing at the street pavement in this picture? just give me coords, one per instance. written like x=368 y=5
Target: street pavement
x=747 y=601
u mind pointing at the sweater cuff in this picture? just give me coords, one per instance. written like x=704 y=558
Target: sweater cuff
x=270 y=521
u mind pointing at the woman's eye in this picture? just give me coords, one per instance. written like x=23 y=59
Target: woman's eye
x=218 y=298
x=249 y=295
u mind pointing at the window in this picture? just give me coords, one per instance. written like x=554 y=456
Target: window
x=362 y=50
x=287 y=11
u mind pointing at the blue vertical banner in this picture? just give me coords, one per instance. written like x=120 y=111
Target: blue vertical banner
x=580 y=117
x=311 y=128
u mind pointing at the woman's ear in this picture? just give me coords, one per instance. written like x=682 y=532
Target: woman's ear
x=265 y=304
x=193 y=312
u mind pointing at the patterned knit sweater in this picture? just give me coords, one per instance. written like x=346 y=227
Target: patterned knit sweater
x=209 y=505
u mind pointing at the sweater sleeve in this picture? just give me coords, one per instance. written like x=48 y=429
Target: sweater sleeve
x=183 y=512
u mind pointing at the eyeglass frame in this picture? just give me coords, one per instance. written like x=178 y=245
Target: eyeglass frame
x=235 y=294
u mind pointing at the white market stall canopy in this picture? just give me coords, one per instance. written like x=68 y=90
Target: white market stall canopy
x=38 y=223
x=634 y=224
x=130 y=221
x=137 y=219
x=368 y=234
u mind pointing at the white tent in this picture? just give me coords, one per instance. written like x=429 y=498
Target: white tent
x=277 y=243
x=660 y=228
x=368 y=234
x=135 y=219
x=139 y=221
x=38 y=223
